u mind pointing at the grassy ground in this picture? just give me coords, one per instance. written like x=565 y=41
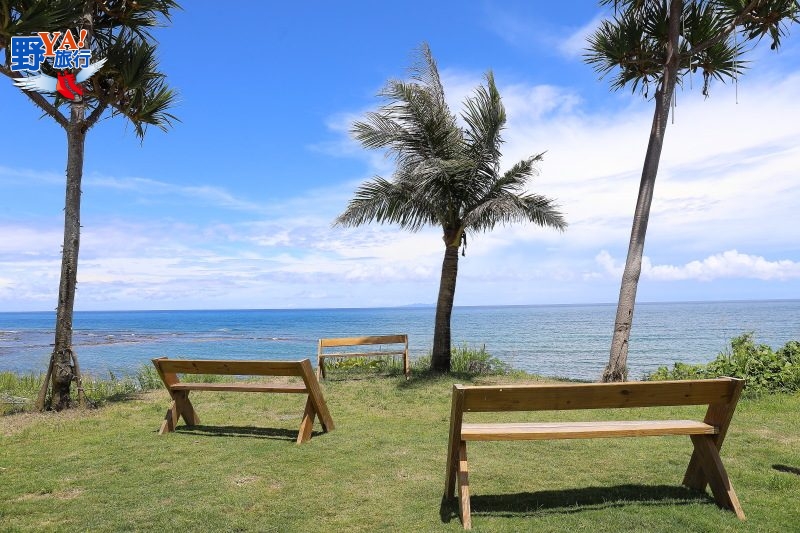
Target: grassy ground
x=382 y=469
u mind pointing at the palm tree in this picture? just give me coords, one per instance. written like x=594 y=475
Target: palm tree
x=652 y=45
x=446 y=175
x=128 y=84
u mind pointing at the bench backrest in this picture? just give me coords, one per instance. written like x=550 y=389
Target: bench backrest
x=231 y=367
x=552 y=397
x=362 y=341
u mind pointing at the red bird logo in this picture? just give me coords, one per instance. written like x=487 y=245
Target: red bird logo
x=66 y=84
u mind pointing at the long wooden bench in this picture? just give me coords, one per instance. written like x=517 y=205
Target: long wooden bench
x=705 y=466
x=179 y=390
x=362 y=341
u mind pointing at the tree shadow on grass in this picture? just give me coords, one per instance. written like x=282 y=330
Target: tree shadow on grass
x=571 y=501
x=241 y=431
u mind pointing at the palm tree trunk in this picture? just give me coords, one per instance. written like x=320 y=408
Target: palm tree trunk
x=617 y=369
x=63 y=370
x=440 y=357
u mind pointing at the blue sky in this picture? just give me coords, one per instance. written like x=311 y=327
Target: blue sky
x=232 y=208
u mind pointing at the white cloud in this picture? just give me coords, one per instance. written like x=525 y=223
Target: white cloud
x=726 y=265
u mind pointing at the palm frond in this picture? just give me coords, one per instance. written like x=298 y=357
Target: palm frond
x=485 y=117
x=507 y=208
x=135 y=88
x=383 y=201
x=632 y=44
x=26 y=17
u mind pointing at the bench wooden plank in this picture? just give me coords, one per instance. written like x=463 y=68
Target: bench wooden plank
x=230 y=367
x=359 y=341
x=239 y=387
x=552 y=397
x=583 y=430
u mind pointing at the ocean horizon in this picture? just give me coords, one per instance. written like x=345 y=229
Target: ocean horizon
x=559 y=340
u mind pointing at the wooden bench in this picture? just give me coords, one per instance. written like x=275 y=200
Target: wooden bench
x=181 y=406
x=705 y=466
x=362 y=341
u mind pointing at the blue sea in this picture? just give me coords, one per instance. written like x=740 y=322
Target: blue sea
x=553 y=340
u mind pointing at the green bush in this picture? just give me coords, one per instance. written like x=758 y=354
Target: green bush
x=764 y=369
x=468 y=361
x=678 y=371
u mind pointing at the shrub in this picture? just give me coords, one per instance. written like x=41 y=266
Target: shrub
x=764 y=369
x=678 y=371
x=468 y=361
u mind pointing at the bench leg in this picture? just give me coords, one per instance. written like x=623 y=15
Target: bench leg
x=170 y=420
x=695 y=478
x=181 y=407
x=708 y=459
x=463 y=486
x=307 y=423
x=185 y=408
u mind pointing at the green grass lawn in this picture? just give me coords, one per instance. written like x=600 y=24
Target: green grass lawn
x=382 y=469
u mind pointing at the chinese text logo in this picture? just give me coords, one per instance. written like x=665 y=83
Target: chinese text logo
x=64 y=53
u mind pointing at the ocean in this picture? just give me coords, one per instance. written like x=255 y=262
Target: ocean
x=553 y=340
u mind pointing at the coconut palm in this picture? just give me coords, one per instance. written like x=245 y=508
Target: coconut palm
x=651 y=45
x=446 y=175
x=129 y=84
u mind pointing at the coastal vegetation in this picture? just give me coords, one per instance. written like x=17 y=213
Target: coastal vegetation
x=128 y=84
x=651 y=46
x=382 y=468
x=764 y=369
x=447 y=176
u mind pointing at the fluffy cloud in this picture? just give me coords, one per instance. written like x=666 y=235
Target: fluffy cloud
x=726 y=265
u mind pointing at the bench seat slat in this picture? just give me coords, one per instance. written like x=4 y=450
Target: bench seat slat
x=240 y=387
x=583 y=430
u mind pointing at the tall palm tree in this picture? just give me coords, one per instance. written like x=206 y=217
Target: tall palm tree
x=446 y=175
x=652 y=45
x=129 y=84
